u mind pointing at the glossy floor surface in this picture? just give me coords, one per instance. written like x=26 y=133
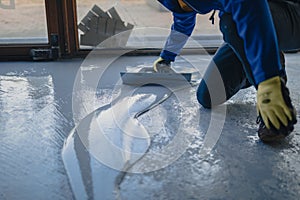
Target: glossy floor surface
x=153 y=155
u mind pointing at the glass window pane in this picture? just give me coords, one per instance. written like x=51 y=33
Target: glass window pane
x=23 y=21
x=151 y=21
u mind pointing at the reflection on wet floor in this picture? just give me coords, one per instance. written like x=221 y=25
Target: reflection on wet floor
x=32 y=133
x=42 y=157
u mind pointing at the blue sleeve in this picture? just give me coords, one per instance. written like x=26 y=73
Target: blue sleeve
x=182 y=28
x=255 y=27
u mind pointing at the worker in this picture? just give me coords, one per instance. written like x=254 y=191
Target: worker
x=255 y=32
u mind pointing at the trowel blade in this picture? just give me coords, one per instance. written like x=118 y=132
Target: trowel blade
x=154 y=78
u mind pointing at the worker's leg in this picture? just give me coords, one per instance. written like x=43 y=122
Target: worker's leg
x=286 y=19
x=223 y=78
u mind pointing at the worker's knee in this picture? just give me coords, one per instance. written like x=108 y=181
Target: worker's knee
x=203 y=95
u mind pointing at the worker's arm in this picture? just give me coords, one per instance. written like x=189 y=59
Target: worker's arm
x=255 y=27
x=181 y=29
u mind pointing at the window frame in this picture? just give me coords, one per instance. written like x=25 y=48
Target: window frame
x=61 y=17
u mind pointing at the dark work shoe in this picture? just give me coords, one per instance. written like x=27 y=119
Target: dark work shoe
x=272 y=134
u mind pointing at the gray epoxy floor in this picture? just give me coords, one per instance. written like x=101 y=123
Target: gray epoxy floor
x=41 y=102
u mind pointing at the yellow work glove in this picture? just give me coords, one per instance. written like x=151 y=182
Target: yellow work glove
x=271 y=105
x=162 y=66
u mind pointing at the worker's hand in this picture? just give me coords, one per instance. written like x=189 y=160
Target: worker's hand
x=271 y=104
x=163 y=66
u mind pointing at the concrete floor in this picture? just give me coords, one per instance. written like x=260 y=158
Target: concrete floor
x=43 y=157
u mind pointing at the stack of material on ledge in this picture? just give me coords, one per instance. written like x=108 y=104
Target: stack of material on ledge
x=98 y=25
